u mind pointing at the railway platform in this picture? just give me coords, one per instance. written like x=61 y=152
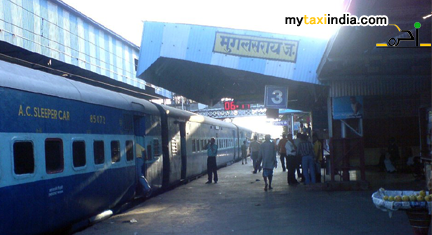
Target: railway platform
x=237 y=204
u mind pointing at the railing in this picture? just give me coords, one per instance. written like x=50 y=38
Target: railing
x=221 y=113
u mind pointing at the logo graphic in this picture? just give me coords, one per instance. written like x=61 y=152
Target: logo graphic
x=394 y=42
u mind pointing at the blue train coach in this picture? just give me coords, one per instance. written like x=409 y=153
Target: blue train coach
x=70 y=151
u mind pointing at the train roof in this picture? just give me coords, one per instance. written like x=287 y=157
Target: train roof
x=26 y=79
x=193 y=117
x=243 y=128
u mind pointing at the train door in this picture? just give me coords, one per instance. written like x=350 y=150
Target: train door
x=178 y=151
x=235 y=146
x=143 y=186
x=182 y=127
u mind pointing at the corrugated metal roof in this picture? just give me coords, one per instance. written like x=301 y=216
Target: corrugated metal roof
x=56 y=30
x=90 y=20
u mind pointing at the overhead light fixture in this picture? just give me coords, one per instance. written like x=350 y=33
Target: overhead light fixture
x=425 y=17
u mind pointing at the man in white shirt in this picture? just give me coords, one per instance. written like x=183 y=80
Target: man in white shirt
x=267 y=153
x=254 y=148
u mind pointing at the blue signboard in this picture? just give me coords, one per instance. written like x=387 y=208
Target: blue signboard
x=280 y=123
x=347 y=107
x=276 y=97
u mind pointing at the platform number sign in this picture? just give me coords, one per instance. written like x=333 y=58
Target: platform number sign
x=276 y=97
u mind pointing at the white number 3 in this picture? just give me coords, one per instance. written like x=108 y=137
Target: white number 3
x=278 y=97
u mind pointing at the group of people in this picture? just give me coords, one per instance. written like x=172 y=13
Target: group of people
x=294 y=152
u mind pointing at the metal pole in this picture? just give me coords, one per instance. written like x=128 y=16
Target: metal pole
x=329 y=117
x=292 y=124
x=343 y=130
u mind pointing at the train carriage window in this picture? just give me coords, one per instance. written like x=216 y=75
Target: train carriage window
x=99 y=152
x=23 y=158
x=54 y=161
x=129 y=150
x=149 y=153
x=193 y=145
x=79 y=153
x=156 y=151
x=115 y=151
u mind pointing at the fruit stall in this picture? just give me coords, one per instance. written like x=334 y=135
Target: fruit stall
x=416 y=204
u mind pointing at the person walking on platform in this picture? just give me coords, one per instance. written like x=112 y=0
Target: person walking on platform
x=282 y=151
x=291 y=160
x=254 y=148
x=244 y=153
x=306 y=150
x=318 y=154
x=267 y=153
x=298 y=157
x=212 y=150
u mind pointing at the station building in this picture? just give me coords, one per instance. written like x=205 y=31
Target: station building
x=389 y=87
x=54 y=37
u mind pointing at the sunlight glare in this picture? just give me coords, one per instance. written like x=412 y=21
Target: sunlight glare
x=259 y=124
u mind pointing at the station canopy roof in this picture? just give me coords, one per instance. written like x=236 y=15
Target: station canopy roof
x=352 y=54
x=206 y=63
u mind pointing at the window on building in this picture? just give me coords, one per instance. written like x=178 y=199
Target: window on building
x=98 y=152
x=54 y=162
x=24 y=162
x=78 y=153
x=115 y=151
x=129 y=150
x=136 y=64
x=174 y=149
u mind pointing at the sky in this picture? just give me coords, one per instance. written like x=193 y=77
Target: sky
x=126 y=17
